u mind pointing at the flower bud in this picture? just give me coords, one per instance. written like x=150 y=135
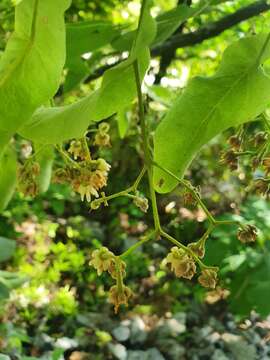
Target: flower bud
x=198 y=248
x=141 y=203
x=247 y=234
x=104 y=127
x=208 y=278
x=94 y=205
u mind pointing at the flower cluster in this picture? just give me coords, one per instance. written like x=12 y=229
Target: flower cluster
x=27 y=178
x=102 y=137
x=183 y=265
x=256 y=149
x=104 y=260
x=87 y=178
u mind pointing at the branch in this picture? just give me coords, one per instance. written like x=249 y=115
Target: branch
x=213 y=29
x=205 y=32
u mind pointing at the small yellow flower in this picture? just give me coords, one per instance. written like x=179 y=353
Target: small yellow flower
x=77 y=149
x=102 y=260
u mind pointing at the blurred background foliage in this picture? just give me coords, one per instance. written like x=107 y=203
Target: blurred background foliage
x=53 y=305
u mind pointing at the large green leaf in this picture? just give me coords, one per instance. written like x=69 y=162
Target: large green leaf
x=250 y=286
x=118 y=89
x=31 y=66
x=167 y=24
x=7 y=248
x=84 y=37
x=8 y=172
x=237 y=93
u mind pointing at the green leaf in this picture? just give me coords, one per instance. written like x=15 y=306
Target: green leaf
x=122 y=121
x=118 y=89
x=7 y=248
x=161 y=94
x=31 y=66
x=237 y=93
x=4 y=293
x=8 y=173
x=167 y=24
x=250 y=286
x=82 y=38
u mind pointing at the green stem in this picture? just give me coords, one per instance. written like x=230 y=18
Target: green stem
x=138 y=244
x=86 y=148
x=192 y=190
x=146 y=150
x=66 y=157
x=185 y=248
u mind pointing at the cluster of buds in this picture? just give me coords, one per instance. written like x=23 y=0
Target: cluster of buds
x=182 y=264
x=141 y=202
x=27 y=178
x=87 y=178
x=103 y=260
x=258 y=157
x=247 y=234
x=102 y=138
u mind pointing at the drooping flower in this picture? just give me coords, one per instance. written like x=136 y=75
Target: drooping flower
x=208 y=278
x=119 y=295
x=102 y=259
x=182 y=264
x=247 y=234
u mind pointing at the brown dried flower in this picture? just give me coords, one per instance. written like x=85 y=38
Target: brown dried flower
x=247 y=234
x=208 y=278
x=119 y=295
